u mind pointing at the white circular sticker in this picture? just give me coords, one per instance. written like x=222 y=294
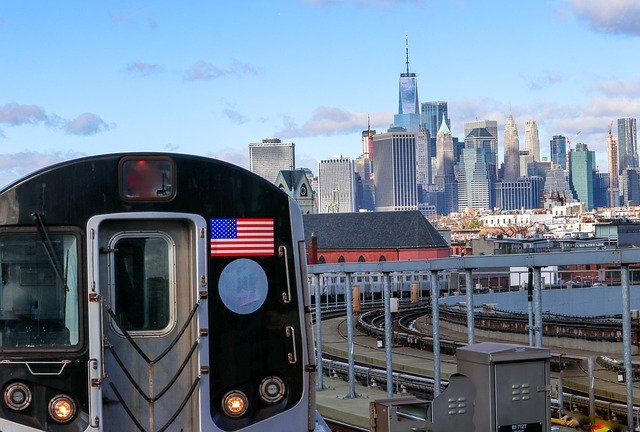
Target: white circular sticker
x=243 y=286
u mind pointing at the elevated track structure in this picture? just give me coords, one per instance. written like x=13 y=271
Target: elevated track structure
x=438 y=273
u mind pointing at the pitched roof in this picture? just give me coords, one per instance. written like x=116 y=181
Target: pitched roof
x=444 y=128
x=292 y=178
x=479 y=133
x=372 y=230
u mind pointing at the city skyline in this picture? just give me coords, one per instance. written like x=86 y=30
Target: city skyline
x=208 y=80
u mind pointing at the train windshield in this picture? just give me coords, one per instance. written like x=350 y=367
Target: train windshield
x=39 y=290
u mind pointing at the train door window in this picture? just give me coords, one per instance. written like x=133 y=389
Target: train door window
x=143 y=281
x=39 y=302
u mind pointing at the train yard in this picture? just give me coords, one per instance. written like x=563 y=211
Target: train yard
x=413 y=343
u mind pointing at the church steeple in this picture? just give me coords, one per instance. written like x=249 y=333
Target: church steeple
x=444 y=128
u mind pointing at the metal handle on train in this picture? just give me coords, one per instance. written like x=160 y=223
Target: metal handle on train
x=291 y=333
x=282 y=251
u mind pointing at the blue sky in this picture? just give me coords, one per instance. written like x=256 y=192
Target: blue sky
x=209 y=77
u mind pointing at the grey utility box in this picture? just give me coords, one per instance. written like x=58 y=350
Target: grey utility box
x=397 y=414
x=511 y=384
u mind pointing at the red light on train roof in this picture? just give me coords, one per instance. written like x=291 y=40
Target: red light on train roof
x=146 y=178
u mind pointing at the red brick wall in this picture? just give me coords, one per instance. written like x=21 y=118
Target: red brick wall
x=373 y=255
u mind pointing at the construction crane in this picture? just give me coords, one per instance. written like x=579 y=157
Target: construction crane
x=569 y=141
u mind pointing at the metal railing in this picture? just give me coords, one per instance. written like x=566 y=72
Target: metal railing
x=335 y=281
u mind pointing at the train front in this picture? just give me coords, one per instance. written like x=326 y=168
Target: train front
x=153 y=292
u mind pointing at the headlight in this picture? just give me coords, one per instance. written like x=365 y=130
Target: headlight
x=17 y=396
x=272 y=389
x=62 y=408
x=235 y=403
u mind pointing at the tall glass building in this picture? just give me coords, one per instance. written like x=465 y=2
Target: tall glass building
x=431 y=116
x=558 y=150
x=581 y=173
x=484 y=134
x=475 y=184
x=627 y=144
x=408 y=116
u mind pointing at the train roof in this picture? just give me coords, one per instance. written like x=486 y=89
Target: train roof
x=70 y=192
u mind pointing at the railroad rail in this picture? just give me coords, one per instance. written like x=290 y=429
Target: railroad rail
x=423 y=385
x=593 y=328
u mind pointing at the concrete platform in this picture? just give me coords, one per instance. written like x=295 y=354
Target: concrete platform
x=332 y=404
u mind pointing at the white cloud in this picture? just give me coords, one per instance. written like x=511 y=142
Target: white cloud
x=609 y=16
x=234 y=115
x=202 y=70
x=13 y=114
x=142 y=68
x=541 y=81
x=87 y=124
x=18 y=114
x=327 y=120
x=232 y=155
x=16 y=165
x=618 y=87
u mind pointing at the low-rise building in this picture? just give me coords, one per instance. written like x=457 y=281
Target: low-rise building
x=372 y=236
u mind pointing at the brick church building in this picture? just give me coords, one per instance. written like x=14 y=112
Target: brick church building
x=371 y=236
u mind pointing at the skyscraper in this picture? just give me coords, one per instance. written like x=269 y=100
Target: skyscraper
x=558 y=150
x=444 y=177
x=511 y=167
x=614 y=172
x=581 y=173
x=431 y=116
x=522 y=193
x=631 y=186
x=556 y=184
x=531 y=139
x=444 y=156
x=271 y=156
x=627 y=144
x=475 y=186
x=336 y=186
x=395 y=171
x=423 y=159
x=601 y=189
x=364 y=178
x=408 y=116
x=367 y=140
x=526 y=159
x=484 y=134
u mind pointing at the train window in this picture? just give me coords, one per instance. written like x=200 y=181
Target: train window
x=39 y=304
x=147 y=179
x=143 y=280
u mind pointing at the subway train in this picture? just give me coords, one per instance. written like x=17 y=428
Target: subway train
x=153 y=292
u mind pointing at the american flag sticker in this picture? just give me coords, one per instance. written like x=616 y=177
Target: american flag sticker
x=242 y=237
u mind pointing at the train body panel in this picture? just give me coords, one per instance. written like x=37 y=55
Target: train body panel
x=185 y=280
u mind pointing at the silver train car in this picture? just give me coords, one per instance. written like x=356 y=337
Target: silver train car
x=153 y=292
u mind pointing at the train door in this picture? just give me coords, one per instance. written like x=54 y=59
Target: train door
x=147 y=284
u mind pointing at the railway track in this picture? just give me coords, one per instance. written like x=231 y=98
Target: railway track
x=372 y=323
x=405 y=333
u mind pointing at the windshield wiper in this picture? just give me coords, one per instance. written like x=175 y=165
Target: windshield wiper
x=48 y=248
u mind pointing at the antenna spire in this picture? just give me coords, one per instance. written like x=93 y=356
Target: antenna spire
x=406 y=48
x=369 y=122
